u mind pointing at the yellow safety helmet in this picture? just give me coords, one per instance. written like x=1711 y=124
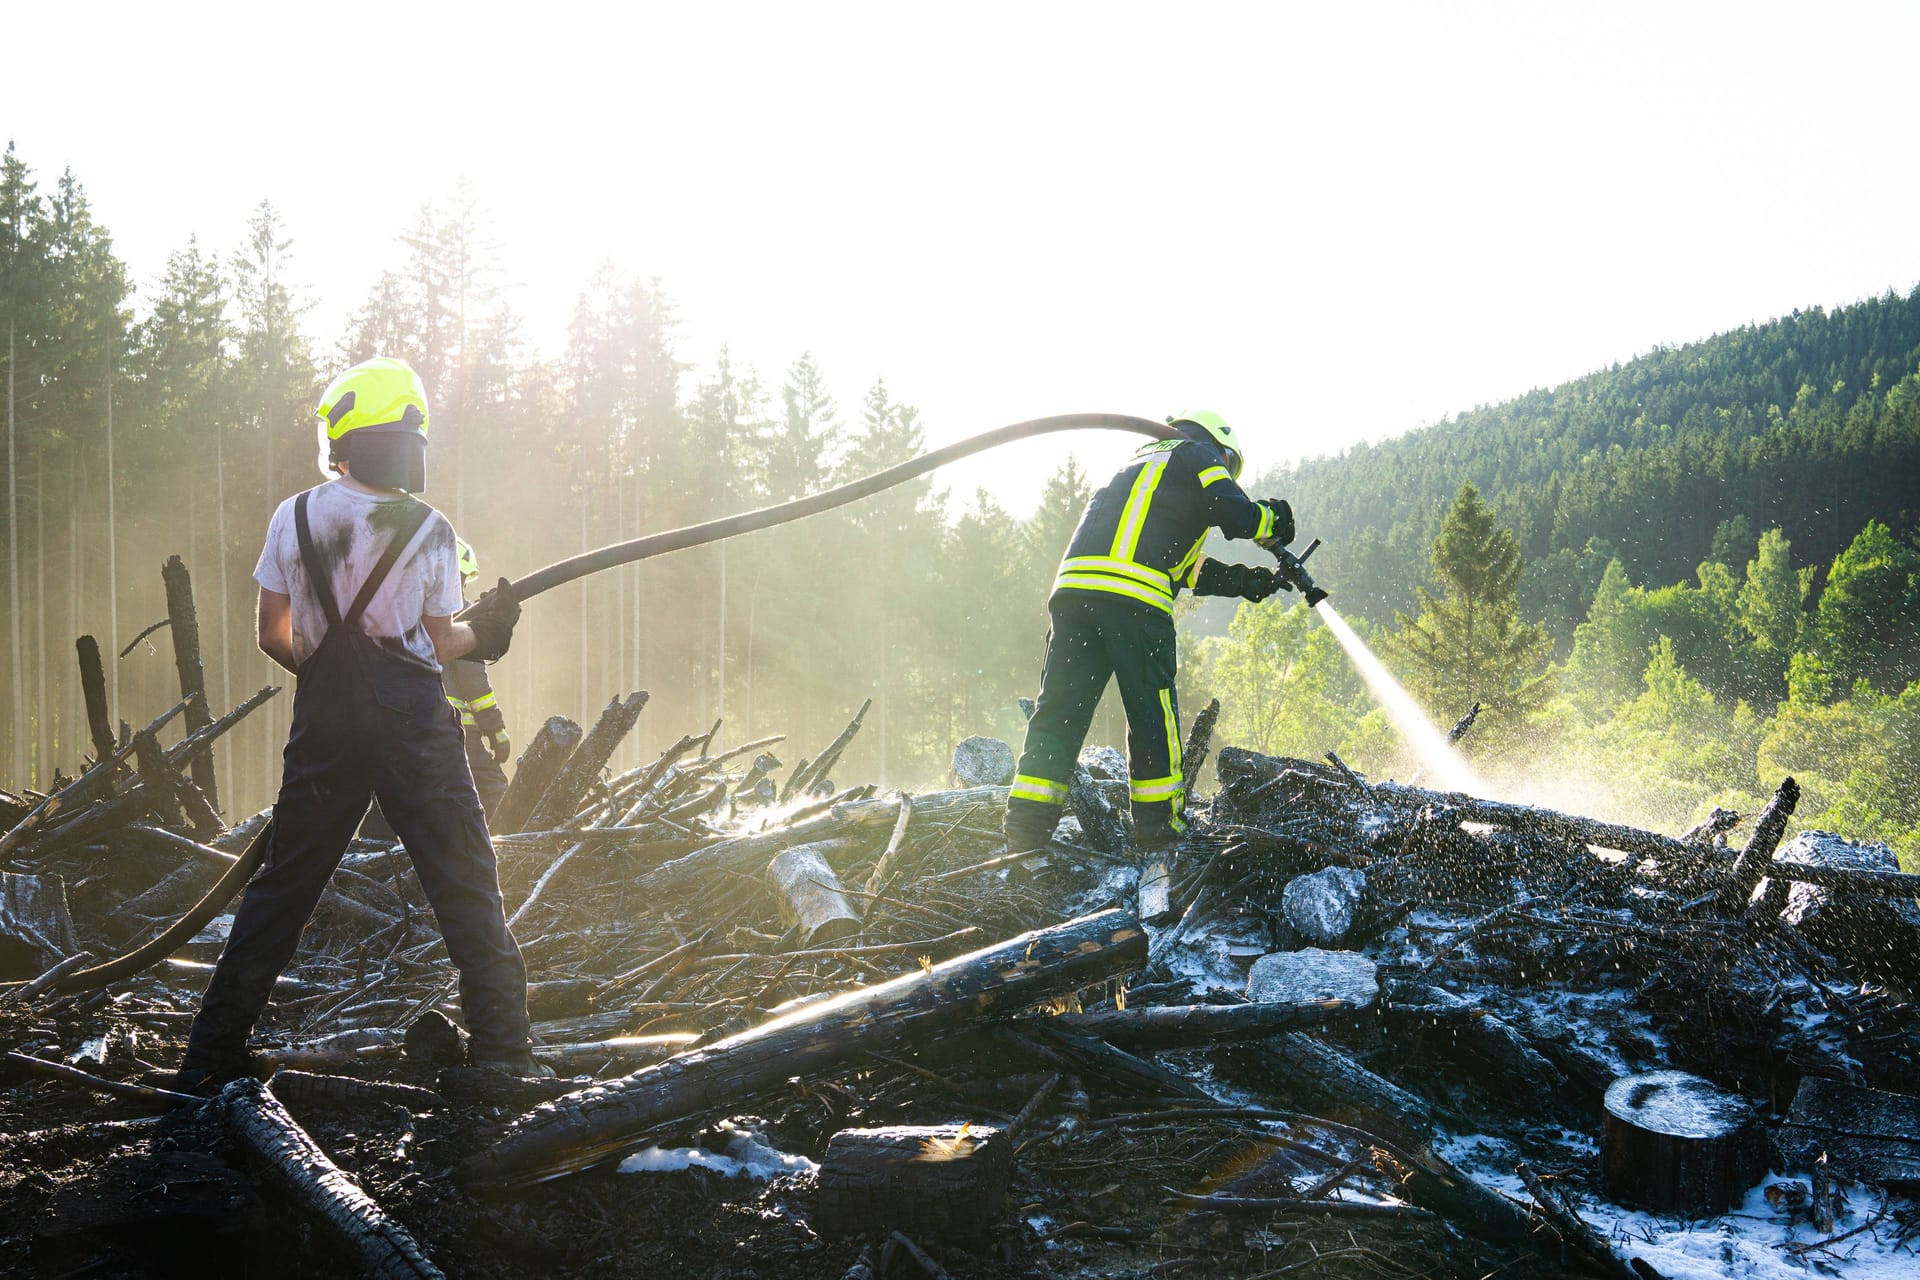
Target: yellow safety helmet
x=1213 y=427
x=374 y=418
x=469 y=563
x=381 y=394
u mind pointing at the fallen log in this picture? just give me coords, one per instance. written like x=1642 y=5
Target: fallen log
x=1327 y=1074
x=939 y=1180
x=291 y=1164
x=544 y=757
x=1179 y=1026
x=584 y=1128
x=295 y=1087
x=809 y=894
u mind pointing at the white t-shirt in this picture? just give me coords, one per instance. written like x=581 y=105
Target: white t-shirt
x=351 y=528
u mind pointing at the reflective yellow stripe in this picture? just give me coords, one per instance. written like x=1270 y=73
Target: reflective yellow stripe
x=1150 y=789
x=1212 y=474
x=466 y=718
x=1188 y=569
x=1028 y=788
x=1126 y=538
x=458 y=704
x=485 y=700
x=1173 y=733
x=1126 y=568
x=1118 y=586
x=1266 y=522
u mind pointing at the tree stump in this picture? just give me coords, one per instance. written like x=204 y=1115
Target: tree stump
x=941 y=1180
x=1675 y=1143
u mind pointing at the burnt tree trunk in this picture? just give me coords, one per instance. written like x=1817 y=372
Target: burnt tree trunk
x=1177 y=1026
x=186 y=660
x=93 y=687
x=810 y=895
x=292 y=1165
x=938 y=1180
x=1757 y=857
x=570 y=785
x=584 y=1128
x=544 y=757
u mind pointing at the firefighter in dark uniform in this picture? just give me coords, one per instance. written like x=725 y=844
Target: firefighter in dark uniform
x=471 y=694
x=1137 y=547
x=359 y=582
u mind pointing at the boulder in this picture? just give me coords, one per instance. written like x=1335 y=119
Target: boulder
x=983 y=762
x=1880 y=934
x=1322 y=906
x=1296 y=977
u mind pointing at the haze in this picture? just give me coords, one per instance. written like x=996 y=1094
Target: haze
x=1331 y=223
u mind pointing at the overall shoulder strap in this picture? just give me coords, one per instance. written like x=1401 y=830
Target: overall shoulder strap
x=310 y=558
x=402 y=535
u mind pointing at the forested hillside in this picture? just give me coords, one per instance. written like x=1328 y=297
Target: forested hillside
x=1809 y=423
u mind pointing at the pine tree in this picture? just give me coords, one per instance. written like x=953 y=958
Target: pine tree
x=1468 y=644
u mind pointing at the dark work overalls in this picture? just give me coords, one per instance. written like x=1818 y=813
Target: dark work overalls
x=367 y=722
x=1136 y=548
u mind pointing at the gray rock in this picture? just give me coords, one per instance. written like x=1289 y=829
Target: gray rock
x=1106 y=764
x=1322 y=905
x=1824 y=849
x=1295 y=977
x=983 y=762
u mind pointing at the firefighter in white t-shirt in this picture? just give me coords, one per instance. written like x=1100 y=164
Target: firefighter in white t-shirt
x=359 y=582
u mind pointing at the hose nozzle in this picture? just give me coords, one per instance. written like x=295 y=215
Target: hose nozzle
x=1293 y=570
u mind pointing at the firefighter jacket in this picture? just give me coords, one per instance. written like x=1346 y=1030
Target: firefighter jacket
x=471 y=694
x=1141 y=534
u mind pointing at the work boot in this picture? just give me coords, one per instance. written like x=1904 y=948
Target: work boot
x=1027 y=831
x=519 y=1065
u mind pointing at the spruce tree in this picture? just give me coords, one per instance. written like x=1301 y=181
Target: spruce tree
x=1468 y=644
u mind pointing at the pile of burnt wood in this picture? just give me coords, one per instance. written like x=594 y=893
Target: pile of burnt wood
x=1214 y=1062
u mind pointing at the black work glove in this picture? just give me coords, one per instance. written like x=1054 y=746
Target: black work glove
x=492 y=618
x=499 y=744
x=1248 y=581
x=1282 y=520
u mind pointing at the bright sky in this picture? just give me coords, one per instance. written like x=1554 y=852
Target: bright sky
x=1330 y=222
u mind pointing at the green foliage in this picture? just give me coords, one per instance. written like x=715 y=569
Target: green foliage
x=1675 y=746
x=1468 y=644
x=1284 y=685
x=1864 y=627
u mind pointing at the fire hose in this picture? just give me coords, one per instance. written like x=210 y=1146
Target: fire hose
x=694 y=535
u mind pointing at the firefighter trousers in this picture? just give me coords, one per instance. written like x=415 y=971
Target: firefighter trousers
x=368 y=723
x=1094 y=638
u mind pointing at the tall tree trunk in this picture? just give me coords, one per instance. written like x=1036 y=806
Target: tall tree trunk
x=18 y=735
x=43 y=705
x=113 y=561
x=226 y=603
